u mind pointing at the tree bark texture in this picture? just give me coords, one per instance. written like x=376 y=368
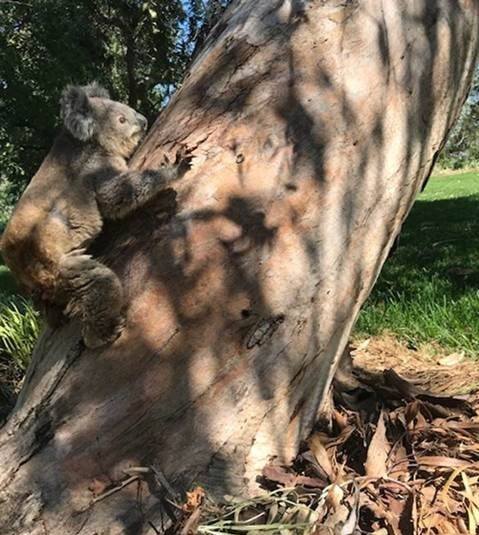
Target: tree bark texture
x=313 y=125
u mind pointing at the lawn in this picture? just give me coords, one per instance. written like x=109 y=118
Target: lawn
x=429 y=290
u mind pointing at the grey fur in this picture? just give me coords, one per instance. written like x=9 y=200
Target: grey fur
x=84 y=179
x=117 y=197
x=77 y=113
x=95 y=90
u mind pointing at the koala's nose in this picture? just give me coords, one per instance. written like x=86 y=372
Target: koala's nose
x=142 y=120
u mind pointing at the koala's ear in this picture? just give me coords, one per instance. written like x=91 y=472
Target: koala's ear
x=77 y=113
x=96 y=90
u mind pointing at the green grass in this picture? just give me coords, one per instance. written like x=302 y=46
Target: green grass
x=19 y=329
x=429 y=290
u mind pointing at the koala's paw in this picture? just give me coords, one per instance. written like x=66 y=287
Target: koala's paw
x=181 y=165
x=76 y=264
x=96 y=336
x=183 y=161
x=73 y=309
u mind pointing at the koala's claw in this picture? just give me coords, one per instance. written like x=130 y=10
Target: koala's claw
x=76 y=262
x=166 y=161
x=181 y=164
x=185 y=164
x=183 y=161
x=73 y=309
x=77 y=252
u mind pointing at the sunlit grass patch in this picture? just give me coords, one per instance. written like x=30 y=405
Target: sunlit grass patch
x=19 y=330
x=429 y=290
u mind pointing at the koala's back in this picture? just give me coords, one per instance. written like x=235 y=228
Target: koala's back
x=56 y=214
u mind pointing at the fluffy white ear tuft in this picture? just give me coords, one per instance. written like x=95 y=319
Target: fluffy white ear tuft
x=94 y=89
x=77 y=113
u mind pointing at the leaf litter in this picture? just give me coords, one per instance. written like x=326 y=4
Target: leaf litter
x=397 y=455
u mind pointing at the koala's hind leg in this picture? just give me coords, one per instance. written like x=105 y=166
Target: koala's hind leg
x=94 y=295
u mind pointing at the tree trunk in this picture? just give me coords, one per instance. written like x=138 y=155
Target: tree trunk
x=313 y=125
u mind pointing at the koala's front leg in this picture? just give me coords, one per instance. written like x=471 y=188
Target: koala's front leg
x=122 y=194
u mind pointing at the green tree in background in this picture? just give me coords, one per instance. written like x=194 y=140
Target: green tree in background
x=138 y=49
x=462 y=148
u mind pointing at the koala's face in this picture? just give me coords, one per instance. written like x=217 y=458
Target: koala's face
x=119 y=128
x=90 y=115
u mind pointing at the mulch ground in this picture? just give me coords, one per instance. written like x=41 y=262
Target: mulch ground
x=398 y=453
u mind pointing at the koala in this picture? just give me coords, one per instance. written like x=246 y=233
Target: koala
x=83 y=180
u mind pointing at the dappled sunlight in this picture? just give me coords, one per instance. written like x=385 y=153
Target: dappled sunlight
x=312 y=129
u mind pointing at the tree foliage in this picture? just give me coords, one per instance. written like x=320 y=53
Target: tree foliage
x=137 y=48
x=462 y=148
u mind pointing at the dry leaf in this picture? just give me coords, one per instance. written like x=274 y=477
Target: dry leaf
x=321 y=455
x=335 y=497
x=280 y=475
x=378 y=451
x=194 y=499
x=452 y=360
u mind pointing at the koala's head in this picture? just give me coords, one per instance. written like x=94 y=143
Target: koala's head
x=89 y=115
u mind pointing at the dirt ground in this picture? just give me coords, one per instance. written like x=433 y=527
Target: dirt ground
x=428 y=367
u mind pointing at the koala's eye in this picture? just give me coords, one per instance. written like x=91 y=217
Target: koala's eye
x=122 y=119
